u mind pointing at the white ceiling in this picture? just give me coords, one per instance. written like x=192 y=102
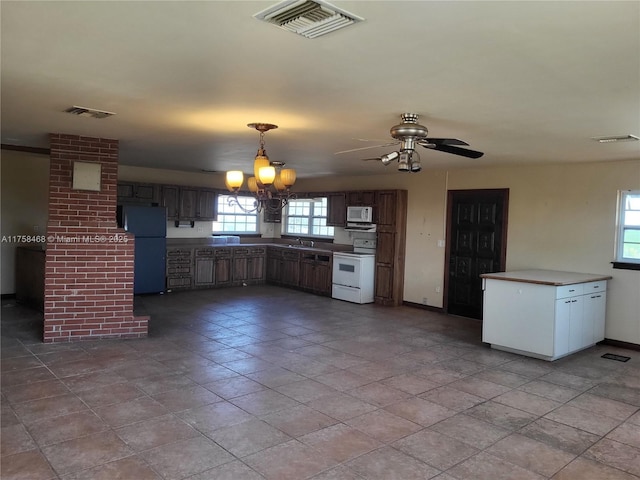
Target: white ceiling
x=523 y=82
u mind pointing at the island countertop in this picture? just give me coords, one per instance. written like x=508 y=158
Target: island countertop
x=546 y=277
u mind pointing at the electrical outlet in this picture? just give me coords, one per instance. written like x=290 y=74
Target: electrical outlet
x=424 y=300
x=441 y=243
x=438 y=289
x=200 y=230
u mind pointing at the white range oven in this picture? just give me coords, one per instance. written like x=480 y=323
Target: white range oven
x=353 y=273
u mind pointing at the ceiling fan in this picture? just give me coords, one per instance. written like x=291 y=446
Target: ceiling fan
x=410 y=133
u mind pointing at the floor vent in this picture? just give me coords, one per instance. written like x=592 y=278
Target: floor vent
x=88 y=112
x=617 y=358
x=309 y=18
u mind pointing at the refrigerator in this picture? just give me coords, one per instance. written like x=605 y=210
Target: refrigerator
x=149 y=225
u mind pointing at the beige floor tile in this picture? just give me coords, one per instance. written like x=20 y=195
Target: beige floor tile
x=120 y=414
x=604 y=406
x=470 y=430
x=178 y=460
x=340 y=442
x=341 y=406
x=420 y=411
x=390 y=464
x=15 y=439
x=213 y=416
x=487 y=467
x=384 y=426
x=127 y=468
x=583 y=419
x=627 y=433
x=452 y=398
x=85 y=452
x=560 y=436
x=66 y=427
x=248 y=437
x=502 y=415
x=234 y=387
x=531 y=454
x=235 y=470
x=616 y=454
x=299 y=420
x=183 y=399
x=527 y=402
x=29 y=465
x=435 y=449
x=155 y=432
x=289 y=461
x=585 y=469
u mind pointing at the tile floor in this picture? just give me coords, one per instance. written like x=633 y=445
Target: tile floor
x=263 y=382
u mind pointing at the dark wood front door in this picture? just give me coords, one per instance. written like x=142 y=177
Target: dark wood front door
x=477 y=233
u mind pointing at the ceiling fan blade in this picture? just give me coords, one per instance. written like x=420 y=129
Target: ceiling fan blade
x=457 y=151
x=366 y=148
x=440 y=141
x=371 y=159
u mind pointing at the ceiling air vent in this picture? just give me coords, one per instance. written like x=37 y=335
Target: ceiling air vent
x=88 y=112
x=309 y=18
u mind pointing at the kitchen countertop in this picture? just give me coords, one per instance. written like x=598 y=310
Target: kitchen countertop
x=546 y=277
x=248 y=245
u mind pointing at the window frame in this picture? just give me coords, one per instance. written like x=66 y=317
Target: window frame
x=622 y=226
x=310 y=219
x=223 y=204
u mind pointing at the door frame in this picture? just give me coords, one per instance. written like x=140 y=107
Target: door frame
x=503 y=250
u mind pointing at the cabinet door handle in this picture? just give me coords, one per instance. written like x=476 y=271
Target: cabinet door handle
x=596 y=296
x=571 y=291
x=574 y=301
x=568 y=301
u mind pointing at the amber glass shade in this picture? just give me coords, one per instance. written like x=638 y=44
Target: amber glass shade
x=266 y=175
x=252 y=184
x=258 y=163
x=234 y=180
x=288 y=177
x=277 y=183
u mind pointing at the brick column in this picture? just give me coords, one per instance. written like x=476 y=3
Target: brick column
x=88 y=291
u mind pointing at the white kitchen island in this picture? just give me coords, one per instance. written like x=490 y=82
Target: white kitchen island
x=544 y=314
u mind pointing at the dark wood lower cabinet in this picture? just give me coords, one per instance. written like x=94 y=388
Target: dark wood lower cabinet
x=315 y=273
x=248 y=266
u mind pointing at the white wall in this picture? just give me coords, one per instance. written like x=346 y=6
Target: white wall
x=24 y=207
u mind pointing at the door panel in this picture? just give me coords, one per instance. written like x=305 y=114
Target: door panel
x=476 y=227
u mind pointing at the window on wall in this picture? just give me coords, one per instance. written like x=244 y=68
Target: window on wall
x=628 y=247
x=307 y=217
x=232 y=219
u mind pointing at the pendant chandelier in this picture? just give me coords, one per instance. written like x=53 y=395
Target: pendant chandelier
x=270 y=184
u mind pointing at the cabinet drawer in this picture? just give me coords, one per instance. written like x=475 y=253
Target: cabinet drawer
x=178 y=253
x=569 y=290
x=592 y=287
x=223 y=252
x=204 y=252
x=241 y=252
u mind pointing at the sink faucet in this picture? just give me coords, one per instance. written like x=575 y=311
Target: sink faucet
x=311 y=243
x=299 y=241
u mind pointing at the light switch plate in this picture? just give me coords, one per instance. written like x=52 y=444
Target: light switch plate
x=87 y=176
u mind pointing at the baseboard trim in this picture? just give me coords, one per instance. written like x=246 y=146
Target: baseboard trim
x=423 y=307
x=621 y=344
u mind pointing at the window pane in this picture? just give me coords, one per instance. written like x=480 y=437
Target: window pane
x=232 y=219
x=629 y=231
x=307 y=217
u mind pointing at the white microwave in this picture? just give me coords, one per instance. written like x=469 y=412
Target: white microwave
x=360 y=214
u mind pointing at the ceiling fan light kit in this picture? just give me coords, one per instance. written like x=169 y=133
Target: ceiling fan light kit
x=270 y=181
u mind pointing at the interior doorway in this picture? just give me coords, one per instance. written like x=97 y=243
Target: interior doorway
x=477 y=244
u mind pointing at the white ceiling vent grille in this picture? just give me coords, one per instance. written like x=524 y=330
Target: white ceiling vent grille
x=309 y=18
x=88 y=112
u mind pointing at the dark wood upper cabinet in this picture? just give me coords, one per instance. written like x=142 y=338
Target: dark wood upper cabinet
x=365 y=198
x=336 y=209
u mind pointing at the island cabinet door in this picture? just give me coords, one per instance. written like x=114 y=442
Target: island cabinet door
x=521 y=316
